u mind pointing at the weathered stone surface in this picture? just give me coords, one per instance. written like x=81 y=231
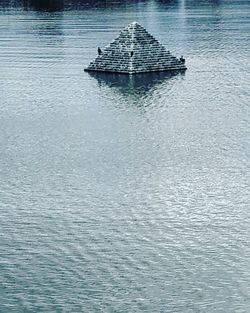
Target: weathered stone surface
x=135 y=51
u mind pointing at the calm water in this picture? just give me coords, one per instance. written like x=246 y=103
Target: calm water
x=117 y=194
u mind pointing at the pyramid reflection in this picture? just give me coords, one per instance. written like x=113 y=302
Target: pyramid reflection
x=134 y=84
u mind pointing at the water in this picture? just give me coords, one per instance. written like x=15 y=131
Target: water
x=118 y=194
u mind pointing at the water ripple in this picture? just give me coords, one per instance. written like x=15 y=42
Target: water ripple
x=124 y=194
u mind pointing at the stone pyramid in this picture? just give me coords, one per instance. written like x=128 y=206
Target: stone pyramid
x=135 y=51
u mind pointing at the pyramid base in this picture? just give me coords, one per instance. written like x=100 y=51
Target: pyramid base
x=182 y=69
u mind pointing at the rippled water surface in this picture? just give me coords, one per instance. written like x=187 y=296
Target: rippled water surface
x=123 y=194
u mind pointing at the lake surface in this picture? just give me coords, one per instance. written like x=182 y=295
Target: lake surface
x=124 y=194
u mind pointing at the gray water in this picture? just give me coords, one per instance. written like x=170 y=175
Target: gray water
x=124 y=194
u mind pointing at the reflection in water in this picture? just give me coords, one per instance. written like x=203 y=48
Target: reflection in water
x=100 y=4
x=167 y=3
x=134 y=84
x=49 y=28
x=203 y=3
x=136 y=91
x=44 y=5
x=58 y=5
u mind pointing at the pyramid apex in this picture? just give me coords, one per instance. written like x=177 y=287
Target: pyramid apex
x=133 y=24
